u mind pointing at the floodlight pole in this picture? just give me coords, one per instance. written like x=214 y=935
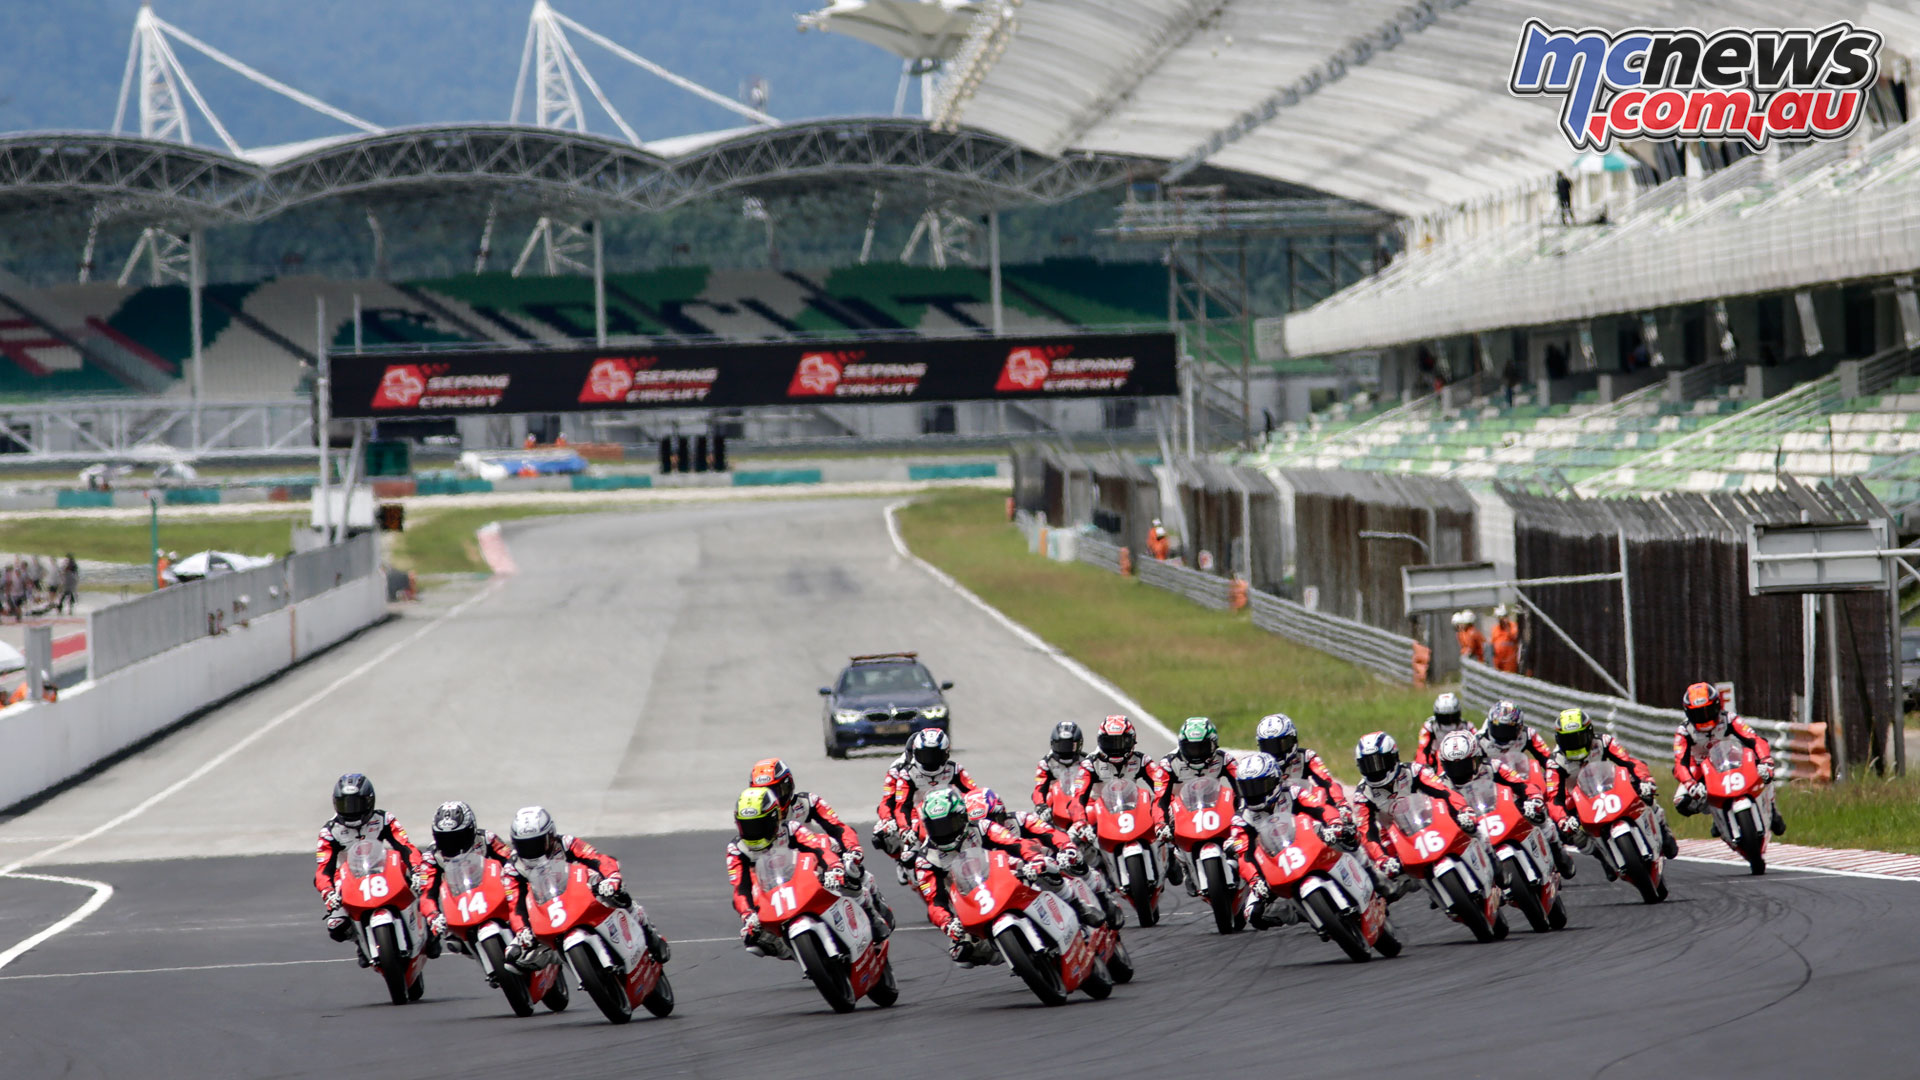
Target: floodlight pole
x=1896 y=733
x=1626 y=617
x=196 y=280
x=599 y=286
x=323 y=406
x=993 y=271
x=1833 y=688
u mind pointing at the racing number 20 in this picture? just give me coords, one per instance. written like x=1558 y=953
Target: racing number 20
x=1606 y=804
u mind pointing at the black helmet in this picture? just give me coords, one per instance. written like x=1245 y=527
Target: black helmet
x=1066 y=741
x=353 y=799
x=453 y=828
x=930 y=748
x=1199 y=740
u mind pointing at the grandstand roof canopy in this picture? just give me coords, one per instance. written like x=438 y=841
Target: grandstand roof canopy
x=152 y=180
x=1396 y=103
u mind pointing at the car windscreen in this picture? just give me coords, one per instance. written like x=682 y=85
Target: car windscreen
x=1909 y=648
x=885 y=679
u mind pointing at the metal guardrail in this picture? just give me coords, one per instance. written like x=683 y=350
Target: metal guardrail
x=1096 y=552
x=1800 y=749
x=122 y=635
x=1382 y=652
x=1207 y=590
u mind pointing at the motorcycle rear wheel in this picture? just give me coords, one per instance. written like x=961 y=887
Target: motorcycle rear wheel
x=660 y=1002
x=558 y=997
x=393 y=966
x=417 y=989
x=1098 y=984
x=599 y=984
x=1635 y=869
x=1219 y=895
x=885 y=991
x=1526 y=898
x=1040 y=976
x=512 y=983
x=1557 y=916
x=1140 y=890
x=1120 y=964
x=826 y=976
x=1388 y=944
x=1753 y=841
x=1338 y=927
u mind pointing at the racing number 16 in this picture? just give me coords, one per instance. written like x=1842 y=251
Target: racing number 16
x=1429 y=843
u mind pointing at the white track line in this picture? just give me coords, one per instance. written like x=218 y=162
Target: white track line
x=171 y=970
x=1773 y=866
x=1074 y=667
x=206 y=767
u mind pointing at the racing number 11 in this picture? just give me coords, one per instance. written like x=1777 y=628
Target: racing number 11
x=784 y=900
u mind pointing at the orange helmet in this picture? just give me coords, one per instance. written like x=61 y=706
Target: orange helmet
x=1702 y=703
x=772 y=773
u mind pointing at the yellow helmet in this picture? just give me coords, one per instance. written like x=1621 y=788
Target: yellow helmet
x=1574 y=734
x=757 y=817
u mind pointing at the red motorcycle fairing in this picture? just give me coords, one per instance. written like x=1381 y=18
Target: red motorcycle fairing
x=1455 y=864
x=564 y=911
x=1625 y=828
x=790 y=898
x=1296 y=864
x=376 y=892
x=991 y=899
x=1520 y=849
x=1742 y=806
x=473 y=898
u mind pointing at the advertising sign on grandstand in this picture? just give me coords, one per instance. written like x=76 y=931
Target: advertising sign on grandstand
x=669 y=376
x=1757 y=86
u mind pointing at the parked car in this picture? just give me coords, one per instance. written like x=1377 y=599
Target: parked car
x=881 y=700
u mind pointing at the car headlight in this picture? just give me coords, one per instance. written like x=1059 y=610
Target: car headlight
x=934 y=712
x=846 y=716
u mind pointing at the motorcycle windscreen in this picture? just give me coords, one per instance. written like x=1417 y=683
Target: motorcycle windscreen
x=776 y=867
x=971 y=870
x=1275 y=833
x=366 y=858
x=1201 y=793
x=1597 y=778
x=1482 y=796
x=1120 y=795
x=548 y=880
x=465 y=873
x=1413 y=812
x=1727 y=754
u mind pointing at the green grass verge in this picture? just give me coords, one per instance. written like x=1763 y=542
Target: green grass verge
x=1174 y=657
x=128 y=541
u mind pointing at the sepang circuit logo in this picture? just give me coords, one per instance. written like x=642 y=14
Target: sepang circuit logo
x=849 y=374
x=428 y=386
x=635 y=380
x=1758 y=86
x=1053 y=369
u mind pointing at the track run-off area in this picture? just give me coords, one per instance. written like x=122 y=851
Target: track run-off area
x=626 y=677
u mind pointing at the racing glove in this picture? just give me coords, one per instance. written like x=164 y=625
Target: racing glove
x=332 y=899
x=1571 y=830
x=1466 y=820
x=1260 y=888
x=1082 y=833
x=954 y=931
x=834 y=877
x=419 y=882
x=749 y=926
x=1766 y=773
x=438 y=926
x=523 y=939
x=1648 y=790
x=1390 y=866
x=1344 y=831
x=1534 y=809
x=1163 y=833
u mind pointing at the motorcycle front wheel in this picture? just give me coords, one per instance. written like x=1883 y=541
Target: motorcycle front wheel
x=1219 y=895
x=600 y=984
x=827 y=976
x=1343 y=932
x=512 y=983
x=1140 y=890
x=660 y=1002
x=1635 y=869
x=393 y=965
x=1120 y=964
x=1526 y=898
x=885 y=991
x=1040 y=976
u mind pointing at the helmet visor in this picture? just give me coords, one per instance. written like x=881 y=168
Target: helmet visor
x=1065 y=749
x=1503 y=733
x=1458 y=770
x=454 y=841
x=1258 y=790
x=945 y=832
x=1280 y=746
x=353 y=807
x=1376 y=766
x=1575 y=744
x=531 y=847
x=1196 y=753
x=1705 y=716
x=1115 y=746
x=756 y=833
x=930 y=757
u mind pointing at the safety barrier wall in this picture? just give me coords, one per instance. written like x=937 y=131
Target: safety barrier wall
x=1207 y=590
x=1382 y=652
x=311 y=573
x=1096 y=552
x=1799 y=748
x=52 y=742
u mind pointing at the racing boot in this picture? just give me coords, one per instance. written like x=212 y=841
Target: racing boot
x=338 y=928
x=1668 y=845
x=1779 y=825
x=1177 y=874
x=1562 y=858
x=432 y=949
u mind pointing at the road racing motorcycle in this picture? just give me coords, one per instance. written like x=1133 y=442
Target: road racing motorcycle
x=997 y=899
x=1741 y=805
x=1627 y=831
x=605 y=945
x=1524 y=861
x=828 y=932
x=1122 y=819
x=1202 y=811
x=1297 y=866
x=376 y=892
x=1456 y=865
x=474 y=900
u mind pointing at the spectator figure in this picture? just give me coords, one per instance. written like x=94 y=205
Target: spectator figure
x=38 y=569
x=69 y=597
x=1157 y=544
x=1505 y=640
x=1466 y=630
x=531 y=442
x=21 y=590
x=1563 y=190
x=560 y=440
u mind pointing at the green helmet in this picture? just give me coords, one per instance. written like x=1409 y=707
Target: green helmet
x=944 y=816
x=1199 y=740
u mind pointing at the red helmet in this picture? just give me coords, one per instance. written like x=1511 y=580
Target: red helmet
x=1702 y=703
x=1116 y=738
x=984 y=804
x=772 y=773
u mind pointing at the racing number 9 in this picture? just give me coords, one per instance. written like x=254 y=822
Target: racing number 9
x=1125 y=821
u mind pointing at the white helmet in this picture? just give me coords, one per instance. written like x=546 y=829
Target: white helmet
x=1446 y=709
x=1462 y=618
x=534 y=836
x=1460 y=756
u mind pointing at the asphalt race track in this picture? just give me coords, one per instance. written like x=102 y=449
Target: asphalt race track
x=627 y=677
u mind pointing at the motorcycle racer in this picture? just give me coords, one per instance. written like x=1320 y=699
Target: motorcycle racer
x=762 y=826
x=1056 y=770
x=1264 y=794
x=1115 y=758
x=1706 y=723
x=984 y=805
x=927 y=765
x=535 y=837
x=356 y=818
x=1576 y=743
x=1383 y=778
x=947 y=828
x=804 y=807
x=455 y=833
x=1196 y=754
x=1506 y=731
x=1463 y=760
x=1278 y=738
x=1446 y=718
